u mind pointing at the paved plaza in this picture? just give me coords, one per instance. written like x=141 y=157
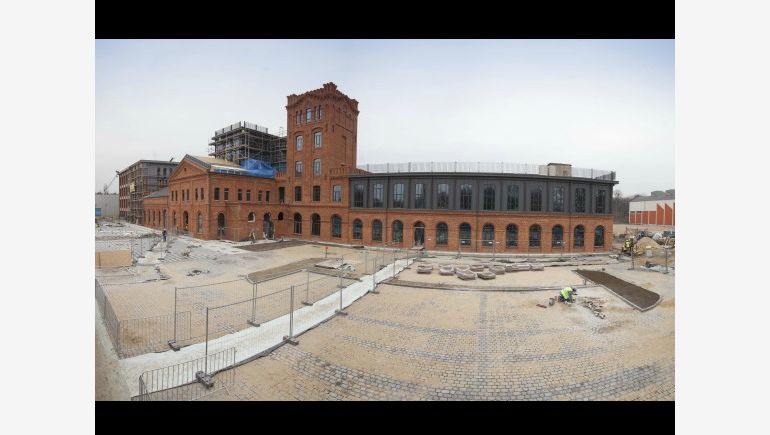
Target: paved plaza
x=429 y=344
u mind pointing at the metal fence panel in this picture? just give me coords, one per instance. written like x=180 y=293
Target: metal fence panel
x=180 y=382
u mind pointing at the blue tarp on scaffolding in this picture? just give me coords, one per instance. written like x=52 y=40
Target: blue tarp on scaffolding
x=258 y=168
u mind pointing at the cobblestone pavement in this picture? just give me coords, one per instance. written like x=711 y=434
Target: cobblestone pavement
x=426 y=344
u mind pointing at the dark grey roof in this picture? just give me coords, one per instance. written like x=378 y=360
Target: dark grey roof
x=158 y=194
x=662 y=196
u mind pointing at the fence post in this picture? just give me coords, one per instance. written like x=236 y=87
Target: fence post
x=666 y=251
x=253 y=321
x=307 y=290
x=290 y=337
x=394 y=263
x=206 y=359
x=339 y=311
x=172 y=343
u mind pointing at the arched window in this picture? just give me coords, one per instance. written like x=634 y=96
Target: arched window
x=534 y=236
x=398 y=232
x=185 y=220
x=488 y=234
x=336 y=226
x=377 y=230
x=252 y=217
x=599 y=236
x=442 y=234
x=465 y=234
x=557 y=235
x=358 y=229
x=317 y=139
x=511 y=235
x=579 y=238
x=315 y=228
x=298 y=142
x=297 y=223
x=200 y=222
x=280 y=216
x=317 y=167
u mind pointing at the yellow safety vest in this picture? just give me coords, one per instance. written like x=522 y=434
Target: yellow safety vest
x=566 y=292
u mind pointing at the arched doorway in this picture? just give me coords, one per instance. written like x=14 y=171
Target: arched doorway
x=267 y=225
x=221 y=225
x=185 y=221
x=419 y=234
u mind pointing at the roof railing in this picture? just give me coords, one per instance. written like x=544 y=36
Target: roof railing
x=488 y=168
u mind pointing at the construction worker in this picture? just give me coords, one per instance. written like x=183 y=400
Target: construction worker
x=566 y=294
x=627 y=245
x=164 y=234
x=253 y=237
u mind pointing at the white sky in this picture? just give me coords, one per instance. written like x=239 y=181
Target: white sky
x=592 y=103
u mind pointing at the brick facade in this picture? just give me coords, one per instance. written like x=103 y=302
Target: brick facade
x=335 y=117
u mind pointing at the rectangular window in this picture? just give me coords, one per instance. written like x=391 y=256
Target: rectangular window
x=281 y=195
x=196 y=194
x=316 y=193
x=398 y=195
x=580 y=200
x=188 y=194
x=248 y=195
x=298 y=142
x=240 y=195
x=309 y=115
x=536 y=201
x=318 y=112
x=298 y=193
x=512 y=197
x=558 y=198
x=443 y=195
x=317 y=167
x=337 y=193
x=299 y=117
x=466 y=196
x=358 y=195
x=317 y=139
x=419 y=195
x=601 y=201
x=216 y=193
x=259 y=196
x=489 y=197
x=298 y=168
x=267 y=196
x=378 y=195
x=227 y=194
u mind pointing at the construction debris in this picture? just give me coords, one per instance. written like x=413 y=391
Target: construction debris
x=593 y=305
x=542 y=306
x=195 y=272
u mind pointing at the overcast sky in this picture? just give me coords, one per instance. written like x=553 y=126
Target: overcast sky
x=592 y=103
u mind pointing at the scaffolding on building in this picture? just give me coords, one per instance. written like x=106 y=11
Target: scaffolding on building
x=244 y=140
x=139 y=180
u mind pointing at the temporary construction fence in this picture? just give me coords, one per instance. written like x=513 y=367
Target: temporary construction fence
x=256 y=326
x=189 y=380
x=138 y=246
x=222 y=308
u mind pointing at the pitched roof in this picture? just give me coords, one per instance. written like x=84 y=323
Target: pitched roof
x=666 y=196
x=159 y=193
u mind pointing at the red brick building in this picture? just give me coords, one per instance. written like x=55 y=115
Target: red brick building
x=323 y=196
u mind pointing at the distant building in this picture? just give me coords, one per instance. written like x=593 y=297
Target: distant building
x=107 y=205
x=656 y=209
x=139 y=180
x=322 y=195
